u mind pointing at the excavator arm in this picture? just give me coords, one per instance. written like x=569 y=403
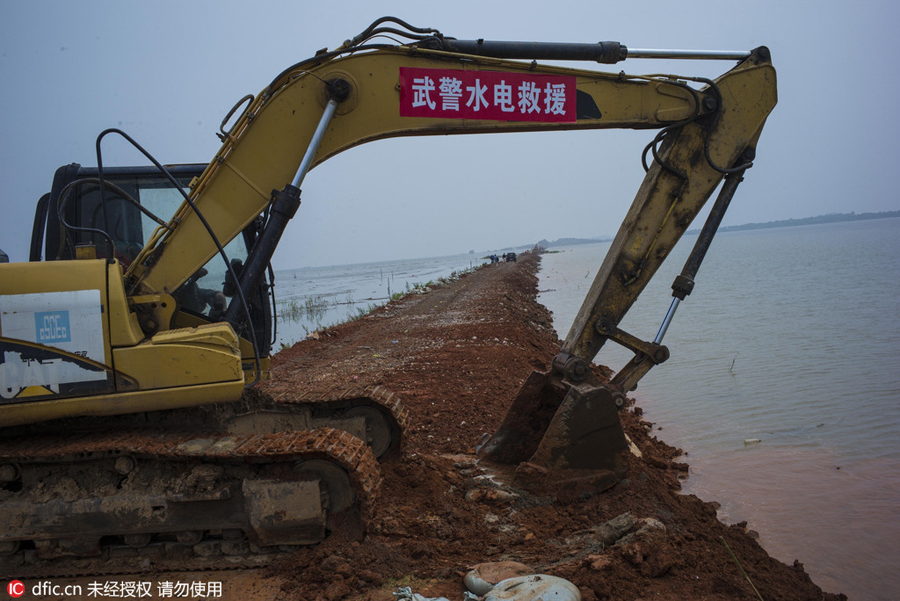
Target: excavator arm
x=563 y=425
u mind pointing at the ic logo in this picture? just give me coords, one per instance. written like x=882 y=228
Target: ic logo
x=16 y=588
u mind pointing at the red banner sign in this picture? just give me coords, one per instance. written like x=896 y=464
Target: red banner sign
x=491 y=95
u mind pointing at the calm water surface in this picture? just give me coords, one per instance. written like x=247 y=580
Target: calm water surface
x=792 y=337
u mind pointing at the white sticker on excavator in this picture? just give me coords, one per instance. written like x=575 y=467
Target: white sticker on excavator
x=69 y=321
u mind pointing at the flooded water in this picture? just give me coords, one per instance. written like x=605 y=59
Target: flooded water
x=311 y=298
x=791 y=337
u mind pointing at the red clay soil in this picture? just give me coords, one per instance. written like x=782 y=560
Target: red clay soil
x=456 y=356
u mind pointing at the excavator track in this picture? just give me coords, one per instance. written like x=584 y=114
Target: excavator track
x=373 y=414
x=385 y=418
x=125 y=502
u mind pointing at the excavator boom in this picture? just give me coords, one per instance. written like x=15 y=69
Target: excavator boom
x=394 y=92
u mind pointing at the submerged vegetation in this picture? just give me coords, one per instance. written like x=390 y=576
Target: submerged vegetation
x=312 y=308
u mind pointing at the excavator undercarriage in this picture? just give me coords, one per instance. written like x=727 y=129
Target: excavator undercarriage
x=238 y=480
x=72 y=503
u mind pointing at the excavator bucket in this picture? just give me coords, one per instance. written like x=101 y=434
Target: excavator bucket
x=559 y=433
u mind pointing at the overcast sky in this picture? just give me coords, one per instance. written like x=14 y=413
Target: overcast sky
x=167 y=72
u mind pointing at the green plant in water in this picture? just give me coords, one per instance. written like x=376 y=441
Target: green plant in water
x=312 y=308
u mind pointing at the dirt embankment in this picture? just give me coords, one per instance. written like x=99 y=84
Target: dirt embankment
x=456 y=356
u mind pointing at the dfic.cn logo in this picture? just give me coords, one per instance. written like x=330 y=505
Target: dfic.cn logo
x=16 y=588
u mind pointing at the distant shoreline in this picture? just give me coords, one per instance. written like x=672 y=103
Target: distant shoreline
x=830 y=218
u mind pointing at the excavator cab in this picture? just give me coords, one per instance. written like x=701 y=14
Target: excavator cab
x=75 y=221
x=75 y=200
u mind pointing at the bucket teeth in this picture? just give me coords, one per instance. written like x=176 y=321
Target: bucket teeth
x=560 y=433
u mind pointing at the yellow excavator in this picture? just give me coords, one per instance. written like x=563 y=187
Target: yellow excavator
x=128 y=423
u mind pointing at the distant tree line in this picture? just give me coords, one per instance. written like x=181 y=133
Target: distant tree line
x=830 y=218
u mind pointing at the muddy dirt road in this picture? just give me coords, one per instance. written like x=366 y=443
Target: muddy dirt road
x=456 y=356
